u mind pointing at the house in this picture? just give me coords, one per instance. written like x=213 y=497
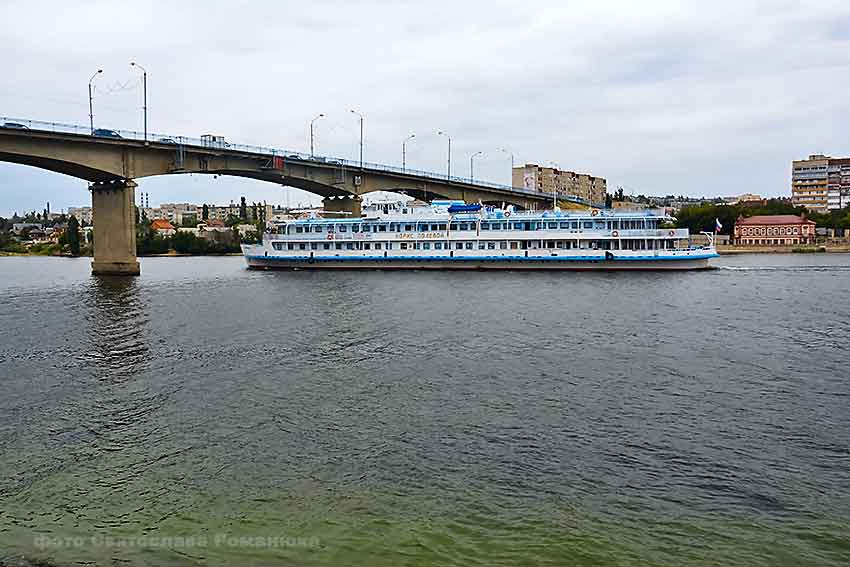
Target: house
x=774 y=230
x=162 y=227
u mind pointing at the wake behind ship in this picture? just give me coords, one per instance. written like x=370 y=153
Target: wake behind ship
x=451 y=235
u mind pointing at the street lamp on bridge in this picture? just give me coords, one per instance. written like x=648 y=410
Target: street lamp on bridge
x=449 y=170
x=404 y=152
x=510 y=153
x=313 y=121
x=471 y=166
x=361 y=136
x=91 y=111
x=144 y=94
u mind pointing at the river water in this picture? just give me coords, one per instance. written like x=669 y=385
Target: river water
x=203 y=414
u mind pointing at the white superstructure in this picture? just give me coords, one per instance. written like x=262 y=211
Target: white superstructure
x=453 y=235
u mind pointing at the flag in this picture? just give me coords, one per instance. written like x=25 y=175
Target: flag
x=717 y=225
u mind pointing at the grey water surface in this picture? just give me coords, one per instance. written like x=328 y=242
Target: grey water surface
x=203 y=414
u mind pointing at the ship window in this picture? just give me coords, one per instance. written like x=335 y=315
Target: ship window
x=382 y=228
x=377 y=246
x=299 y=229
x=342 y=228
x=442 y=226
x=553 y=225
x=277 y=245
x=454 y=226
x=349 y=246
x=339 y=245
x=318 y=228
x=426 y=246
x=408 y=227
x=302 y=246
x=481 y=245
x=503 y=245
x=331 y=227
x=417 y=246
x=367 y=227
x=469 y=245
x=438 y=246
x=367 y=246
x=514 y=245
x=491 y=246
x=290 y=246
x=326 y=246
x=565 y=225
x=574 y=224
x=458 y=245
x=587 y=224
x=314 y=246
x=404 y=245
x=355 y=228
x=560 y=244
x=485 y=226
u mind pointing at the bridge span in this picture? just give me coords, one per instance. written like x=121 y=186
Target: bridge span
x=112 y=164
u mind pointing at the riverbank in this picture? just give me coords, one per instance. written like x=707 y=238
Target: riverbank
x=727 y=250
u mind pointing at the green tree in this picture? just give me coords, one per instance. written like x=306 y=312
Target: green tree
x=205 y=212
x=72 y=236
x=243 y=209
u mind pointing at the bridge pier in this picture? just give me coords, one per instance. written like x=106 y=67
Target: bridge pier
x=114 y=220
x=344 y=207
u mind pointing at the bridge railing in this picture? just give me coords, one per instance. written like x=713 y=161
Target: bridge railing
x=60 y=127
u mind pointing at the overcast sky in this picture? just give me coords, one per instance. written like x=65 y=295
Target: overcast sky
x=695 y=98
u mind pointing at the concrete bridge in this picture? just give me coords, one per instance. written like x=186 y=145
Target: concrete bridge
x=112 y=164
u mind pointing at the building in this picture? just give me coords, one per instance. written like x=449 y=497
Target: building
x=774 y=230
x=162 y=226
x=83 y=214
x=821 y=183
x=550 y=180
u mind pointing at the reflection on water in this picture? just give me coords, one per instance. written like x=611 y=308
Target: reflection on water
x=115 y=328
x=425 y=418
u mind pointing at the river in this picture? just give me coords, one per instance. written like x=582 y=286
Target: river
x=202 y=414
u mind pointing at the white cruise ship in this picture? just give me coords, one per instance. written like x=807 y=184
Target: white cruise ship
x=449 y=235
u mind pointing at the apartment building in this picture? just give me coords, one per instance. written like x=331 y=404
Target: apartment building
x=821 y=183
x=550 y=180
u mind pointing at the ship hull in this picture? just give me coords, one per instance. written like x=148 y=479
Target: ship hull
x=475 y=263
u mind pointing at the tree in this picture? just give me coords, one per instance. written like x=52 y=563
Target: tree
x=72 y=236
x=254 y=211
x=205 y=212
x=243 y=209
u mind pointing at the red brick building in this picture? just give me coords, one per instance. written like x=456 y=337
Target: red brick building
x=774 y=230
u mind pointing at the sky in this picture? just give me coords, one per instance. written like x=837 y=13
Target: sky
x=687 y=98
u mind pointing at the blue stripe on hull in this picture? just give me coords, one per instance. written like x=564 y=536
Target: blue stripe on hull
x=393 y=261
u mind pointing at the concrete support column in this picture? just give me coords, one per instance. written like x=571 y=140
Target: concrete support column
x=114 y=222
x=343 y=207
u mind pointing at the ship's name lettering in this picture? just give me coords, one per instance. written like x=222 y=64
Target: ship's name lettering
x=421 y=235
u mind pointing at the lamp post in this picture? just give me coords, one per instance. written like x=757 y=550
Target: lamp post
x=361 y=136
x=471 y=166
x=557 y=171
x=91 y=111
x=404 y=152
x=449 y=170
x=311 y=132
x=144 y=95
x=510 y=153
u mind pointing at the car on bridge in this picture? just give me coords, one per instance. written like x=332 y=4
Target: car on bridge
x=15 y=126
x=106 y=133
x=166 y=141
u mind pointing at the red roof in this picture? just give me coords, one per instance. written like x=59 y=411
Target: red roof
x=161 y=224
x=773 y=219
x=215 y=223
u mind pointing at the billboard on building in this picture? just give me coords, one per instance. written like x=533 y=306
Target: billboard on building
x=528 y=181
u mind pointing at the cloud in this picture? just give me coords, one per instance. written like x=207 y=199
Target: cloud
x=662 y=97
